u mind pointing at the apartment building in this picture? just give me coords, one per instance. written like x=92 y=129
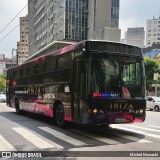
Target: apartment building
x=22 y=45
x=153 y=31
x=135 y=36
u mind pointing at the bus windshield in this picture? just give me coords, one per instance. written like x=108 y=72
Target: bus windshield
x=112 y=72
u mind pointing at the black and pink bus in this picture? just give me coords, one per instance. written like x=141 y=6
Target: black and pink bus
x=92 y=82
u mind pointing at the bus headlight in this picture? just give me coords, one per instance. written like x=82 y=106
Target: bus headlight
x=141 y=111
x=95 y=111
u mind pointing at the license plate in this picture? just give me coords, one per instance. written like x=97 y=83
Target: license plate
x=120 y=120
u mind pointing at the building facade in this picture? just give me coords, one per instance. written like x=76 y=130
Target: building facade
x=135 y=36
x=22 y=45
x=2 y=65
x=103 y=20
x=11 y=62
x=153 y=31
x=71 y=20
x=2 y=56
x=56 y=20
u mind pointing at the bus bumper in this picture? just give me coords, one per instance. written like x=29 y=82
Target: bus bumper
x=112 y=118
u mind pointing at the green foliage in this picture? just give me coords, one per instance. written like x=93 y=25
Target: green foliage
x=151 y=67
x=4 y=75
x=2 y=84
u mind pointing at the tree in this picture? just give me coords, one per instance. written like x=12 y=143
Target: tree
x=151 y=67
x=2 y=84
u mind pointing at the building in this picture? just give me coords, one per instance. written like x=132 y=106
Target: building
x=2 y=56
x=22 y=45
x=153 y=31
x=103 y=20
x=56 y=20
x=2 y=65
x=11 y=62
x=135 y=36
x=71 y=20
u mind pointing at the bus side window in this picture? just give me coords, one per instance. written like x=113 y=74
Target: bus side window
x=63 y=68
x=49 y=66
x=36 y=71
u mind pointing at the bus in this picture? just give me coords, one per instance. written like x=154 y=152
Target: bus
x=92 y=82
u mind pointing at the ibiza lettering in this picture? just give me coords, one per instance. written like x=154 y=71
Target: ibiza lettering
x=34 y=90
x=123 y=106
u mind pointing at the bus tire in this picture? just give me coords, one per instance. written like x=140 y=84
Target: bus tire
x=18 y=111
x=59 y=117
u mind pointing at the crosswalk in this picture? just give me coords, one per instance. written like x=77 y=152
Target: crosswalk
x=76 y=137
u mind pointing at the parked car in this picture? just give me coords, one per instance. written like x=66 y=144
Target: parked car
x=2 y=98
x=153 y=103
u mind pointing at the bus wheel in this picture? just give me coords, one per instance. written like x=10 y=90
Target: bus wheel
x=60 y=116
x=18 y=111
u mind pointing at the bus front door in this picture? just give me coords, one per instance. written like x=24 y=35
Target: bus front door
x=79 y=88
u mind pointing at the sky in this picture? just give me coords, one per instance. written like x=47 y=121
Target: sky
x=133 y=13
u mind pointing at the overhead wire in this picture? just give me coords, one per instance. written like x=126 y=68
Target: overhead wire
x=10 y=23
x=9 y=33
x=13 y=19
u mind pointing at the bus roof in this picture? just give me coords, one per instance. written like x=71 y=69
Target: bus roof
x=90 y=46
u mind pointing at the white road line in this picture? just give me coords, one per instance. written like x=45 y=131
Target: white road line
x=131 y=138
x=63 y=137
x=149 y=129
x=33 y=138
x=5 y=146
x=153 y=126
x=138 y=132
x=94 y=136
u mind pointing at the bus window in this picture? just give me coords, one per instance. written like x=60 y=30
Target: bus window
x=15 y=74
x=36 y=71
x=63 y=69
x=131 y=74
x=49 y=66
x=30 y=71
x=64 y=62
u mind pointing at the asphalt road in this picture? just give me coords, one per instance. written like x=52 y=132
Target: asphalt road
x=35 y=134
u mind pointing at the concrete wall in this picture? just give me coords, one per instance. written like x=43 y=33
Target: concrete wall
x=109 y=34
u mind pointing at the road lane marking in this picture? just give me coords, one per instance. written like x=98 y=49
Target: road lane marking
x=144 y=128
x=131 y=138
x=31 y=137
x=153 y=126
x=62 y=136
x=138 y=132
x=94 y=136
x=5 y=146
